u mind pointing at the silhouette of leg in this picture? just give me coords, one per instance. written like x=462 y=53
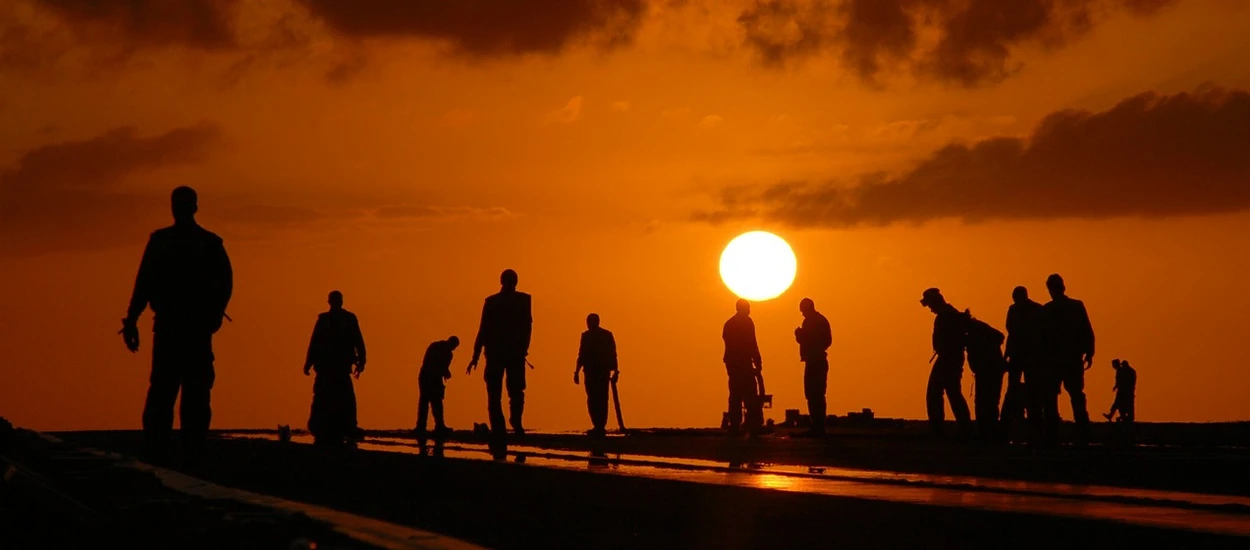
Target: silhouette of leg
x=933 y=400
x=1074 y=384
x=516 y=393
x=494 y=399
x=1013 y=405
x=737 y=397
x=597 y=400
x=158 y=410
x=815 y=383
x=423 y=410
x=436 y=406
x=989 y=387
x=196 y=409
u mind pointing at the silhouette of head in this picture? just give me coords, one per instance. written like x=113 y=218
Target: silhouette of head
x=1115 y=364
x=1054 y=283
x=454 y=341
x=184 y=203
x=932 y=298
x=508 y=279
x=336 y=299
x=1020 y=295
x=807 y=306
x=592 y=321
x=743 y=307
x=1124 y=363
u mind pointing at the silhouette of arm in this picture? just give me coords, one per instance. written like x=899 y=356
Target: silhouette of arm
x=482 y=334
x=754 y=346
x=225 y=277
x=142 y=293
x=528 y=329
x=826 y=334
x=358 y=343
x=311 y=359
x=1087 y=332
x=611 y=355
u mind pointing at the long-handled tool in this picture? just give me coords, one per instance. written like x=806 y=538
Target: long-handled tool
x=616 y=402
x=766 y=400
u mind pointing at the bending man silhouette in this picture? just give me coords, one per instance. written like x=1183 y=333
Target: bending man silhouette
x=1070 y=351
x=186 y=278
x=597 y=356
x=435 y=368
x=814 y=338
x=949 y=339
x=742 y=361
x=504 y=333
x=985 y=360
x=337 y=352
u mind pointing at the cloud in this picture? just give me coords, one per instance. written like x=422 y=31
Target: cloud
x=974 y=40
x=69 y=195
x=200 y=24
x=486 y=28
x=620 y=106
x=568 y=114
x=1149 y=156
x=711 y=121
x=445 y=213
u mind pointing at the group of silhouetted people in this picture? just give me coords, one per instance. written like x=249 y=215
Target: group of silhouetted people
x=1048 y=349
x=186 y=279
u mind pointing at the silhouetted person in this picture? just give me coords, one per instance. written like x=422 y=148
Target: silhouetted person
x=742 y=362
x=435 y=368
x=337 y=352
x=814 y=339
x=504 y=333
x=949 y=340
x=1125 y=391
x=1025 y=357
x=186 y=278
x=596 y=355
x=1070 y=351
x=985 y=359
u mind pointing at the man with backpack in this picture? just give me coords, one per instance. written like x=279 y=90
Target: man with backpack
x=949 y=340
x=985 y=359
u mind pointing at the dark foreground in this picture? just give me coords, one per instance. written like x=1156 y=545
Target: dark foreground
x=509 y=505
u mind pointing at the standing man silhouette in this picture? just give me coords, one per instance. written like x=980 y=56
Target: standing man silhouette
x=596 y=355
x=814 y=339
x=949 y=340
x=337 y=352
x=186 y=278
x=1025 y=356
x=504 y=333
x=742 y=361
x=1070 y=347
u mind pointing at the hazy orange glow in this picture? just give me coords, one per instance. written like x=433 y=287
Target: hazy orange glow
x=407 y=168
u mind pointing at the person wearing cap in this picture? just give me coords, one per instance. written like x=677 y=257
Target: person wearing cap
x=504 y=333
x=1024 y=354
x=949 y=341
x=814 y=338
x=1069 y=353
x=435 y=369
x=336 y=352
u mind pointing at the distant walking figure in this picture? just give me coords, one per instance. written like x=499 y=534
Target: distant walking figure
x=337 y=352
x=742 y=362
x=814 y=338
x=1070 y=352
x=435 y=369
x=186 y=278
x=949 y=340
x=1025 y=357
x=597 y=357
x=504 y=333
x=1125 y=391
x=985 y=359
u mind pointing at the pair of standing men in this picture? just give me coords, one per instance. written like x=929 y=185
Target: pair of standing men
x=1051 y=346
x=744 y=366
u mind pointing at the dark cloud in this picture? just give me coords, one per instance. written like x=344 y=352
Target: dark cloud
x=70 y=195
x=1149 y=156
x=975 y=39
x=202 y=24
x=485 y=27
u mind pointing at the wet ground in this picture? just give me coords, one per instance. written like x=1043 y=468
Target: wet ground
x=562 y=496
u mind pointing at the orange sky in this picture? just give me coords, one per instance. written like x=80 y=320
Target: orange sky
x=407 y=157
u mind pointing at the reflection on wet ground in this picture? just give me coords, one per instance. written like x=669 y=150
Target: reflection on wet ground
x=1174 y=510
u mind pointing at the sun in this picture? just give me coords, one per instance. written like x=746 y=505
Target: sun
x=758 y=266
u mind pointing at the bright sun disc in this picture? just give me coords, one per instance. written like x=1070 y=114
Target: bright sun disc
x=758 y=266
